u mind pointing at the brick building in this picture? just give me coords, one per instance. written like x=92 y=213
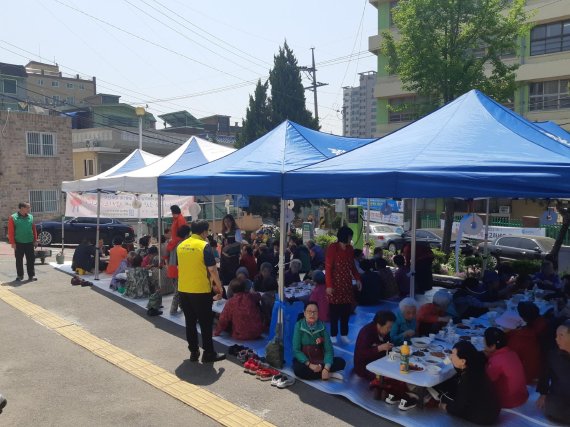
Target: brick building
x=35 y=157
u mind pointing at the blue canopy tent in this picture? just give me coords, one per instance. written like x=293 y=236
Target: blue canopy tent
x=556 y=131
x=258 y=169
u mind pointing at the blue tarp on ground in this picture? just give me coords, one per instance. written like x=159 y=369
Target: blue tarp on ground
x=258 y=168
x=471 y=147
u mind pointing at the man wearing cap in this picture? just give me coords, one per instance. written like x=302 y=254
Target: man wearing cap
x=23 y=237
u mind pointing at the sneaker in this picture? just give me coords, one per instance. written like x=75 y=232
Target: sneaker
x=336 y=376
x=276 y=378
x=235 y=349
x=243 y=355
x=75 y=280
x=212 y=357
x=407 y=404
x=334 y=340
x=153 y=312
x=345 y=340
x=19 y=279
x=434 y=393
x=32 y=278
x=3 y=403
x=194 y=356
x=391 y=400
x=266 y=374
x=251 y=366
x=285 y=382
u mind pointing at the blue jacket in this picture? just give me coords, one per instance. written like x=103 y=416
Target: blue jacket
x=400 y=326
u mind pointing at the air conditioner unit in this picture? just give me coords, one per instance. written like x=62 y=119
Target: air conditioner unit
x=505 y=210
x=88 y=143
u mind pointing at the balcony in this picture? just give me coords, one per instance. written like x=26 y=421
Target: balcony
x=374 y=44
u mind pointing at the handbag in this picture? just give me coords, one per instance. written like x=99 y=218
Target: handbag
x=315 y=353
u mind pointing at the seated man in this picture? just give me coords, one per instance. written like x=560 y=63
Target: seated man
x=467 y=300
x=554 y=384
x=373 y=343
x=84 y=256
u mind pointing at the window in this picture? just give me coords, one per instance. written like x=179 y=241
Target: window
x=44 y=200
x=55 y=99
x=527 y=244
x=401 y=109
x=70 y=100
x=550 y=38
x=9 y=86
x=41 y=144
x=81 y=86
x=87 y=167
x=54 y=84
x=40 y=82
x=510 y=242
x=69 y=85
x=549 y=95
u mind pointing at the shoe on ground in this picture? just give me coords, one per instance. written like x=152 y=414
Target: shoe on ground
x=212 y=357
x=285 y=381
x=345 y=340
x=3 y=403
x=392 y=400
x=407 y=404
x=336 y=376
x=266 y=374
x=153 y=312
x=276 y=378
x=19 y=279
x=334 y=340
x=194 y=356
x=434 y=393
x=32 y=278
x=235 y=349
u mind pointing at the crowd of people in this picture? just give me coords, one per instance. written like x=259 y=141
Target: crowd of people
x=202 y=268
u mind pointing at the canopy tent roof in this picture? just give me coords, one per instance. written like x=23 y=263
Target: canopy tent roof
x=136 y=160
x=258 y=168
x=194 y=152
x=471 y=147
x=558 y=132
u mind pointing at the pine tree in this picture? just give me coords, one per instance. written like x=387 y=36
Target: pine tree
x=257 y=120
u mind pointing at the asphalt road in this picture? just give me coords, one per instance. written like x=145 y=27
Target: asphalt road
x=51 y=381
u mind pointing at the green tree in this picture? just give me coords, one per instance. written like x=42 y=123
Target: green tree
x=287 y=91
x=257 y=120
x=448 y=47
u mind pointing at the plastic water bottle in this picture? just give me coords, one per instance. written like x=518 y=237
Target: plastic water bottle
x=405 y=358
x=449 y=331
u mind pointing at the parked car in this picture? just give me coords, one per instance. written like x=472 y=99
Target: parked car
x=430 y=236
x=517 y=247
x=76 y=229
x=383 y=235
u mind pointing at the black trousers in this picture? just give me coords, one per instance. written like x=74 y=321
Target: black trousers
x=198 y=308
x=339 y=312
x=27 y=250
x=305 y=373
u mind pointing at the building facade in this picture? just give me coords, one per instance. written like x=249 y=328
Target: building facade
x=12 y=87
x=359 y=107
x=35 y=157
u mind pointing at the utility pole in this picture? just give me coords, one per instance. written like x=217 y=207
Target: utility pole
x=312 y=73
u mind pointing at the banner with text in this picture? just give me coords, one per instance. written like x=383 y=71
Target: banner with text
x=395 y=218
x=495 y=231
x=124 y=205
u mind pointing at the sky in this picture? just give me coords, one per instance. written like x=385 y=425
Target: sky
x=200 y=56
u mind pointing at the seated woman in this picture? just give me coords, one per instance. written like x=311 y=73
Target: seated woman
x=370 y=293
x=312 y=348
x=84 y=257
x=401 y=276
x=470 y=394
x=505 y=370
x=432 y=316
x=404 y=327
x=265 y=281
x=554 y=384
x=292 y=274
x=243 y=277
x=319 y=294
x=116 y=254
x=138 y=280
x=144 y=243
x=247 y=260
x=150 y=254
x=373 y=343
x=547 y=278
x=241 y=314
x=120 y=276
x=388 y=285
x=527 y=341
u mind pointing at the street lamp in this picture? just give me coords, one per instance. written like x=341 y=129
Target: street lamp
x=140 y=112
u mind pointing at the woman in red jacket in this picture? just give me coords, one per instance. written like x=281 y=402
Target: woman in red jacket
x=505 y=370
x=242 y=312
x=340 y=271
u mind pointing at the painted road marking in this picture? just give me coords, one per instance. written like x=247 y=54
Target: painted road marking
x=204 y=401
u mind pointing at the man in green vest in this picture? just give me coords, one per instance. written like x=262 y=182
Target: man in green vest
x=197 y=277
x=23 y=237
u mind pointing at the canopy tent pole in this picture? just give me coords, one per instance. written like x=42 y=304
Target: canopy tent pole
x=366 y=245
x=281 y=277
x=96 y=277
x=214 y=217
x=413 y=250
x=159 y=220
x=485 y=244
x=62 y=222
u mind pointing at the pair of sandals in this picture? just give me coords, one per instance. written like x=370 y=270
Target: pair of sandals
x=78 y=281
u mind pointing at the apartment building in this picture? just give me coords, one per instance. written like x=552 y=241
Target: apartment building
x=543 y=76
x=48 y=86
x=12 y=87
x=359 y=107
